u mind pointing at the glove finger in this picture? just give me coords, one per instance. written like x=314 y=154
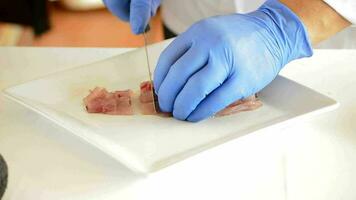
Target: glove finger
x=140 y=14
x=191 y=62
x=120 y=8
x=198 y=87
x=232 y=90
x=155 y=5
x=168 y=57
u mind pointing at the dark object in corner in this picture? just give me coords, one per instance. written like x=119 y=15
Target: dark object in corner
x=3 y=176
x=27 y=12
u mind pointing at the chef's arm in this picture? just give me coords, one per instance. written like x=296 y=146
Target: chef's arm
x=321 y=20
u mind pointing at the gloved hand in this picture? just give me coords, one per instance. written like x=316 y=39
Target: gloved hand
x=222 y=59
x=137 y=12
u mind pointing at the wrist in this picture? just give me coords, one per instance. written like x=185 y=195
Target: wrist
x=321 y=26
x=288 y=30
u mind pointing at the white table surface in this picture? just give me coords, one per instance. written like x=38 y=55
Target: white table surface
x=313 y=159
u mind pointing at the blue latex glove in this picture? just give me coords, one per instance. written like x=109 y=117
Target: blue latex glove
x=137 y=12
x=225 y=58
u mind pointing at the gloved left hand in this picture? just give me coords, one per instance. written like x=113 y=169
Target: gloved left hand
x=137 y=12
x=223 y=59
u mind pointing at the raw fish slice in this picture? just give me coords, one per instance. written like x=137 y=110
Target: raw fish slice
x=119 y=102
x=123 y=93
x=147 y=108
x=247 y=104
x=148 y=104
x=100 y=100
x=146 y=92
x=94 y=100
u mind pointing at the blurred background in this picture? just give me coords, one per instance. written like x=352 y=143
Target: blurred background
x=67 y=23
x=87 y=23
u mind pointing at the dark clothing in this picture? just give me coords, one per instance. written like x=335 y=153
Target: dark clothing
x=26 y=12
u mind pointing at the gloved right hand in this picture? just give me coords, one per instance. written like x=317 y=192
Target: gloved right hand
x=137 y=12
x=222 y=59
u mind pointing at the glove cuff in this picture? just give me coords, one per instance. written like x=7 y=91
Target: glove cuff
x=291 y=34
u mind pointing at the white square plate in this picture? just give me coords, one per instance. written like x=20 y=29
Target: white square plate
x=148 y=143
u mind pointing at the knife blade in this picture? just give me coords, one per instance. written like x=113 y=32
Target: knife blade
x=154 y=97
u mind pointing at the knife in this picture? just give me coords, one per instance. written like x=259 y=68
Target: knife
x=154 y=96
